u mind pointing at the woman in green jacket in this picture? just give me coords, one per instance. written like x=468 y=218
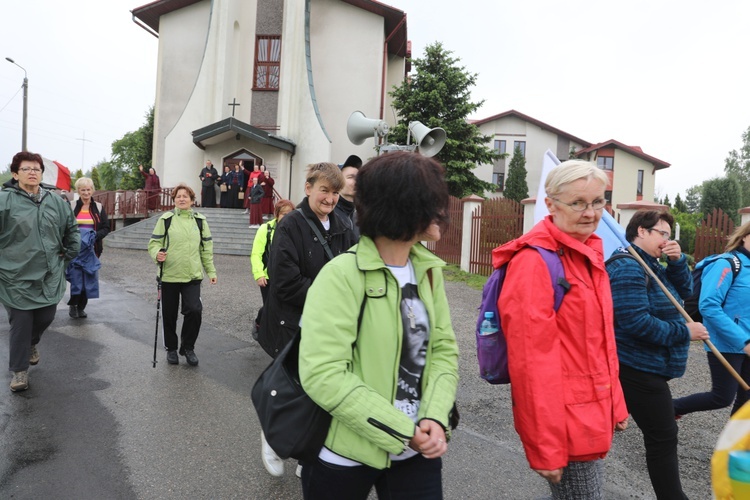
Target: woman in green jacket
x=182 y=246
x=391 y=383
x=262 y=250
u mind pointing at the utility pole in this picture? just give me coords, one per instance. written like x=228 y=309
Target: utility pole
x=25 y=104
x=83 y=147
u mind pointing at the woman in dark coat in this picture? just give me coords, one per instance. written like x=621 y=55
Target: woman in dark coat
x=266 y=206
x=89 y=215
x=152 y=187
x=297 y=255
x=224 y=188
x=235 y=184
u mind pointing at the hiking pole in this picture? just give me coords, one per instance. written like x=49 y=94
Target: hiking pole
x=688 y=319
x=158 y=304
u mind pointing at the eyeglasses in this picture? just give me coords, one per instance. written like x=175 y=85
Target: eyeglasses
x=26 y=170
x=664 y=234
x=582 y=206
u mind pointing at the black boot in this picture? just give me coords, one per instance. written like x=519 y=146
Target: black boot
x=82 y=314
x=73 y=311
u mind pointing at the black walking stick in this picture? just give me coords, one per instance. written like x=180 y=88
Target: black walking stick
x=158 y=304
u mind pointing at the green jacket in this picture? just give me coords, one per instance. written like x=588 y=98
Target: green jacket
x=263 y=237
x=188 y=252
x=37 y=241
x=358 y=386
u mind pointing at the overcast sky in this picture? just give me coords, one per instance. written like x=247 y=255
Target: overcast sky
x=668 y=76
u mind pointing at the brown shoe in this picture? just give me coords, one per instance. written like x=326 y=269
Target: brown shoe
x=20 y=381
x=34 y=358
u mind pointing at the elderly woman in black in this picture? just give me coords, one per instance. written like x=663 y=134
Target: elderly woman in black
x=90 y=215
x=303 y=242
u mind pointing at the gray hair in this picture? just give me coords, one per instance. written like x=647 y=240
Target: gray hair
x=571 y=171
x=84 y=182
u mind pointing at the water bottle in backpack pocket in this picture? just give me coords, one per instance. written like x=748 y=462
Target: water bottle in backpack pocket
x=492 y=350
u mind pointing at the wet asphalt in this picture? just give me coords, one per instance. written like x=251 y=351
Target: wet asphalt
x=100 y=422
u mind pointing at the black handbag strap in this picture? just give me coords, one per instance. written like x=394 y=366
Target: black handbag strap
x=315 y=229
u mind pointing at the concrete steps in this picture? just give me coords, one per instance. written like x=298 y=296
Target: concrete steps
x=229 y=231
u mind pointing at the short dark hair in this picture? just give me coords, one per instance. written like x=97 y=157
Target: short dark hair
x=25 y=156
x=646 y=219
x=399 y=195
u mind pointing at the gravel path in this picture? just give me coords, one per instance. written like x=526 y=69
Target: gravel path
x=232 y=303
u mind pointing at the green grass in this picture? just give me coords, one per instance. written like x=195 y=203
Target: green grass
x=454 y=273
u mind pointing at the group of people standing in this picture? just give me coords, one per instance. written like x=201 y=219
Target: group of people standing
x=239 y=187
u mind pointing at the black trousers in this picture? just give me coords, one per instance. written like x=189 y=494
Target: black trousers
x=724 y=388
x=26 y=329
x=649 y=401
x=192 y=310
x=79 y=300
x=208 y=196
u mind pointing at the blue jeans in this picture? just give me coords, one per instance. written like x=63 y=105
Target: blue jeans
x=415 y=478
x=724 y=388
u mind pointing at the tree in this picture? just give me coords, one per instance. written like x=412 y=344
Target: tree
x=724 y=193
x=110 y=176
x=688 y=223
x=516 y=187
x=679 y=205
x=693 y=199
x=737 y=166
x=666 y=201
x=95 y=178
x=133 y=149
x=437 y=94
x=77 y=175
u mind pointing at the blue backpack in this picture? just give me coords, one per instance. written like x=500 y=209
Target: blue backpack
x=492 y=350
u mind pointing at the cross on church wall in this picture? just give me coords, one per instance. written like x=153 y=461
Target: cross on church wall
x=234 y=104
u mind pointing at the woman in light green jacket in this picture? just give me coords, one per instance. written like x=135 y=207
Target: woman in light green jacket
x=182 y=246
x=262 y=250
x=390 y=384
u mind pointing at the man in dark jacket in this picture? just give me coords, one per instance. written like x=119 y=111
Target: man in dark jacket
x=345 y=207
x=39 y=238
x=208 y=177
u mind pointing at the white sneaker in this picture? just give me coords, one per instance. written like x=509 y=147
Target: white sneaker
x=246 y=212
x=273 y=464
x=298 y=472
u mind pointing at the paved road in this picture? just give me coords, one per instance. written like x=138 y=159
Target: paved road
x=99 y=422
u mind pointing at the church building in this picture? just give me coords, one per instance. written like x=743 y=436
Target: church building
x=270 y=82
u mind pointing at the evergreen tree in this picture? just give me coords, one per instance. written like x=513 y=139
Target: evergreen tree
x=76 y=175
x=693 y=199
x=516 y=187
x=95 y=178
x=438 y=95
x=666 y=200
x=679 y=205
x=737 y=166
x=724 y=193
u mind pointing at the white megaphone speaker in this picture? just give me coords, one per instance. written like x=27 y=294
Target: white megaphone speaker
x=429 y=140
x=359 y=128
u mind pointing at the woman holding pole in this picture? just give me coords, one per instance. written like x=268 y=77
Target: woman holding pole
x=653 y=340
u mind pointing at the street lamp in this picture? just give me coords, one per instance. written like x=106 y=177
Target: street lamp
x=25 y=103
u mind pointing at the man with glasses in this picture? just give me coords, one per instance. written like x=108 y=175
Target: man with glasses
x=38 y=237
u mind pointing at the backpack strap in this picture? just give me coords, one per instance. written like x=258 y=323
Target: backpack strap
x=315 y=229
x=168 y=222
x=560 y=285
x=622 y=255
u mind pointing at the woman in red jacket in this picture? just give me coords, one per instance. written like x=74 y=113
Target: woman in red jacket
x=567 y=399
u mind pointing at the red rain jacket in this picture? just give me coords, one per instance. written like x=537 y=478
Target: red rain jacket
x=563 y=366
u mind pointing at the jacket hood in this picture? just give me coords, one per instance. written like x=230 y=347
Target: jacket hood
x=546 y=235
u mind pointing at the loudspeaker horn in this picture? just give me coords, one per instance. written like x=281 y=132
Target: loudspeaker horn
x=359 y=128
x=429 y=140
